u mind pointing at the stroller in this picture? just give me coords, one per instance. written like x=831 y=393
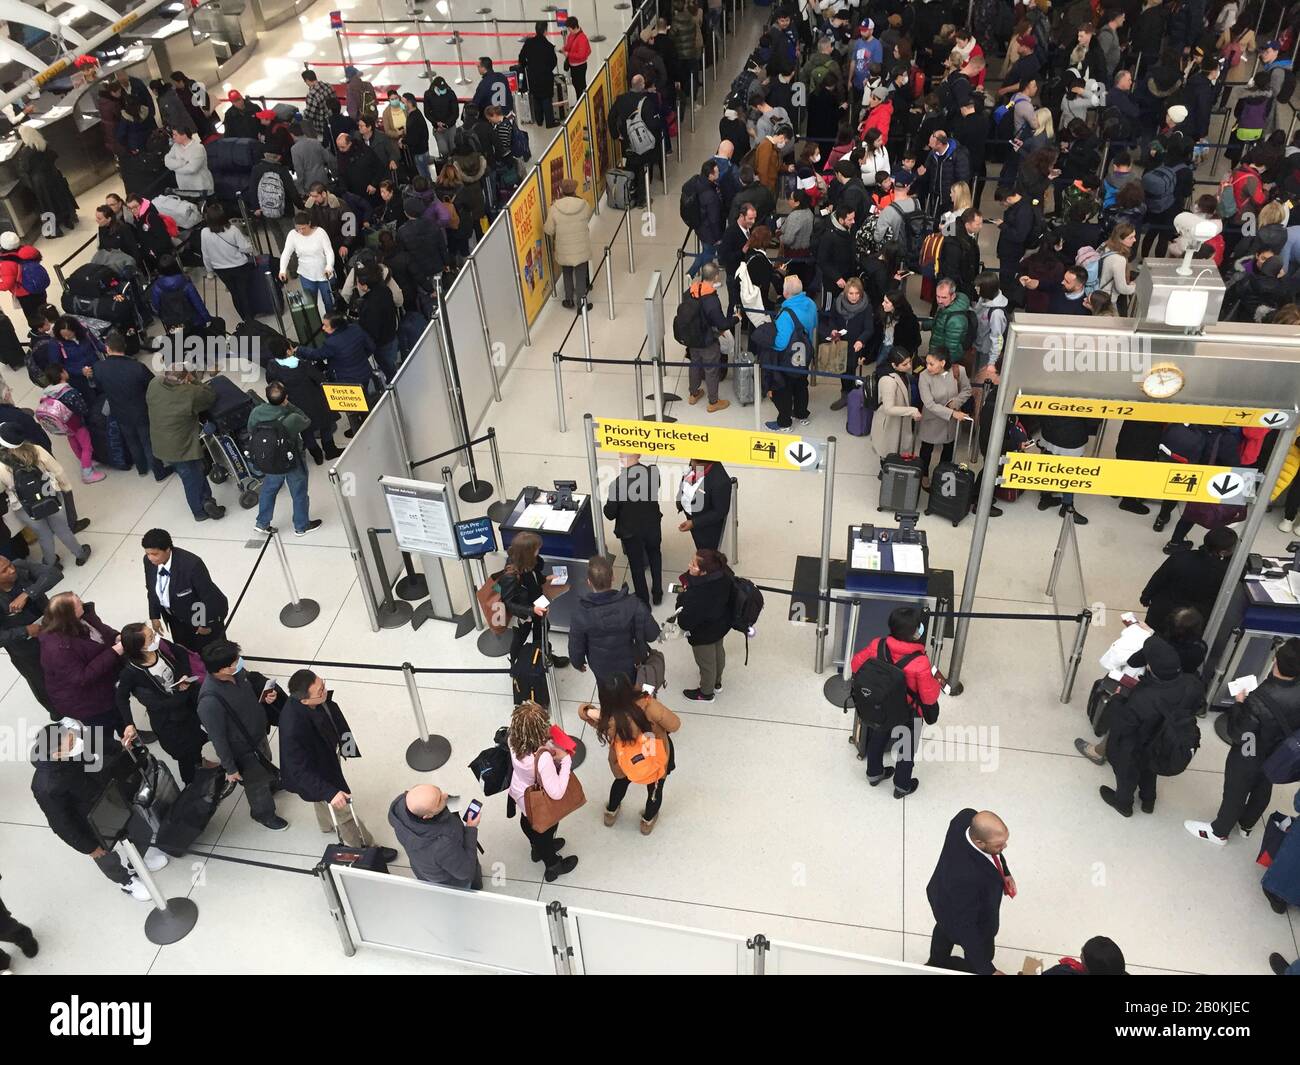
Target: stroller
x=224 y=436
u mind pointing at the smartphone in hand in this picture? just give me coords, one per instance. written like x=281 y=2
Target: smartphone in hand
x=472 y=809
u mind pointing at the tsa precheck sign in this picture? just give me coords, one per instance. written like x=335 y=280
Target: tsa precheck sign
x=776 y=451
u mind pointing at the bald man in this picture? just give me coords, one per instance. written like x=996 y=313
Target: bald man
x=441 y=847
x=966 y=892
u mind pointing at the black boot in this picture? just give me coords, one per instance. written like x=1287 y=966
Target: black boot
x=317 y=455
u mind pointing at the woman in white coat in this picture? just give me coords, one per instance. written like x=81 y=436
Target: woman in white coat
x=893 y=428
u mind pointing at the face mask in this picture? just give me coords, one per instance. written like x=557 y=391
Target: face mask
x=239 y=664
x=291 y=361
x=920 y=630
x=157 y=642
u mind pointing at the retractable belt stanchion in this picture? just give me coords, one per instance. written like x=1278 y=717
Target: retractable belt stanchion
x=586 y=333
x=473 y=617
x=429 y=752
x=475 y=490
x=392 y=613
x=597 y=37
x=557 y=711
x=597 y=514
x=1076 y=654
x=413 y=586
x=663 y=163
x=734 y=515
x=836 y=688
x=824 y=575
x=556 y=359
x=609 y=285
x=638 y=380
x=631 y=255
x=427 y=72
x=386 y=39
x=679 y=130
x=500 y=510
x=171 y=919
x=297 y=612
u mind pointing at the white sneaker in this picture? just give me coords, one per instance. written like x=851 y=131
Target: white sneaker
x=1286 y=525
x=154 y=859
x=137 y=890
x=1204 y=830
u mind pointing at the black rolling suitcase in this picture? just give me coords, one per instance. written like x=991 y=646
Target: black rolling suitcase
x=952 y=485
x=268 y=344
x=900 y=480
x=528 y=676
x=267 y=295
x=369 y=858
x=192 y=810
x=1105 y=695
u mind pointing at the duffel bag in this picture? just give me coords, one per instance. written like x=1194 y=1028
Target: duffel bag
x=92 y=280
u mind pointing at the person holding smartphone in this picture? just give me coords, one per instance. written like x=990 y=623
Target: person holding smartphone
x=440 y=845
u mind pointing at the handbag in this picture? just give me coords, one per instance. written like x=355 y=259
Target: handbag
x=652 y=671
x=832 y=358
x=256 y=748
x=494 y=611
x=543 y=812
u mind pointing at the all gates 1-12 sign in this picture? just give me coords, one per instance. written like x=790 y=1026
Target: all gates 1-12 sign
x=1126 y=477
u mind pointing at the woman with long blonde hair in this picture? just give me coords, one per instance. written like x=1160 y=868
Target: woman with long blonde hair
x=962 y=198
x=535 y=759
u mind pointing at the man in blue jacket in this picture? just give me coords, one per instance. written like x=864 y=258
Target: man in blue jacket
x=790 y=391
x=493 y=90
x=347 y=349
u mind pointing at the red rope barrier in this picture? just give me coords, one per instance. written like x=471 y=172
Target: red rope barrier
x=405 y=63
x=518 y=35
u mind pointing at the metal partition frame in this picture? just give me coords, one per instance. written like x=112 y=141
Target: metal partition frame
x=784 y=958
x=427 y=418
x=473 y=358
x=606 y=944
x=494 y=259
x=376 y=449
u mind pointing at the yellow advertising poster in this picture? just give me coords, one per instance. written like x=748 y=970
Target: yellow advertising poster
x=1145 y=411
x=618 y=71
x=582 y=155
x=555 y=168
x=1125 y=477
x=599 y=99
x=532 y=259
x=776 y=451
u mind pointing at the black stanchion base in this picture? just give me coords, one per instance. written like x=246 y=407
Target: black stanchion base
x=425 y=612
x=172 y=924
x=836 y=690
x=654 y=418
x=464 y=623
x=669 y=397
x=386 y=40
x=395 y=614
x=955 y=689
x=412 y=588
x=500 y=511
x=1221 y=729
x=495 y=644
x=476 y=491
x=580 y=752
x=424 y=756
x=296 y=615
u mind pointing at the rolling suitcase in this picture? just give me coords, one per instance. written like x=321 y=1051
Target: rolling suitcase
x=267 y=343
x=157 y=793
x=952 y=486
x=745 y=378
x=1106 y=693
x=306 y=317
x=368 y=858
x=860 y=407
x=900 y=480
x=858 y=734
x=267 y=294
x=528 y=676
x=619 y=188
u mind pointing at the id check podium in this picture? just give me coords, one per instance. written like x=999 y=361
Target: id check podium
x=568 y=537
x=885 y=568
x=1267 y=608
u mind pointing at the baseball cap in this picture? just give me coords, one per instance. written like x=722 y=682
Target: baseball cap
x=9 y=241
x=866 y=24
x=234 y=96
x=1273 y=45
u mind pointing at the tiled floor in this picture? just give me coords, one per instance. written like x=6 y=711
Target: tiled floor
x=768 y=825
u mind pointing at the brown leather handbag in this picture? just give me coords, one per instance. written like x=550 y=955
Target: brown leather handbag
x=494 y=610
x=542 y=811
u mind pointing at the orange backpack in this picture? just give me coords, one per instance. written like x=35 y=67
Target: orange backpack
x=643 y=760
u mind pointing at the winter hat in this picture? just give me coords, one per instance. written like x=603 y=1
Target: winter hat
x=350 y=72
x=880 y=93
x=11 y=435
x=9 y=241
x=1273 y=45
x=413 y=206
x=1177 y=115
x=1162 y=660
x=1272 y=237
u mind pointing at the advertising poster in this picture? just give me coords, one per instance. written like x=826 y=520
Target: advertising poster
x=618 y=71
x=582 y=156
x=532 y=259
x=598 y=97
x=555 y=168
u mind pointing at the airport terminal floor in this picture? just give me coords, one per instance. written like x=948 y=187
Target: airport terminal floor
x=768 y=824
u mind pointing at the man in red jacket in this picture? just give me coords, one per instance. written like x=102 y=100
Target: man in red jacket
x=13 y=254
x=577 y=50
x=905 y=648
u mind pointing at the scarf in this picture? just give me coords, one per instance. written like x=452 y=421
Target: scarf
x=846 y=309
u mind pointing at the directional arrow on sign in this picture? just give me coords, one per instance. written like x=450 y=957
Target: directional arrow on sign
x=478 y=540
x=1225 y=485
x=1273 y=419
x=801 y=454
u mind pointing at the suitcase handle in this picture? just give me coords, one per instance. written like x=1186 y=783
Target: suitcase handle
x=356 y=817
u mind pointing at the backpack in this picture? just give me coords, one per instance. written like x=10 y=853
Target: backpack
x=36 y=493
x=1174 y=744
x=797 y=351
x=689 y=328
x=1159 y=184
x=492 y=767
x=31 y=274
x=271 y=449
x=1089 y=259
x=928 y=259
x=972 y=331
x=878 y=689
x=746 y=604
x=689 y=204
x=643 y=760
x=520 y=147
x=640 y=141
x=54 y=416
x=1240 y=200
x=270 y=195
x=175 y=308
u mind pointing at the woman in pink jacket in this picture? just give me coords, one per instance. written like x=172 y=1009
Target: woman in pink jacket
x=536 y=758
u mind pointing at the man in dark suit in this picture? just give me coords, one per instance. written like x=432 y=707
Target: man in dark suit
x=182 y=593
x=731 y=249
x=966 y=892
x=633 y=507
x=704 y=498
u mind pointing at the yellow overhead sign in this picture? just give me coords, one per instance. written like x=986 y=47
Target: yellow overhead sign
x=1124 y=477
x=776 y=451
x=1145 y=411
x=348 y=398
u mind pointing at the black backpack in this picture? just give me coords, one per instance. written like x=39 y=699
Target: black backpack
x=493 y=767
x=36 y=493
x=175 y=309
x=879 y=689
x=798 y=353
x=689 y=327
x=746 y=606
x=271 y=448
x=689 y=204
x=1174 y=744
